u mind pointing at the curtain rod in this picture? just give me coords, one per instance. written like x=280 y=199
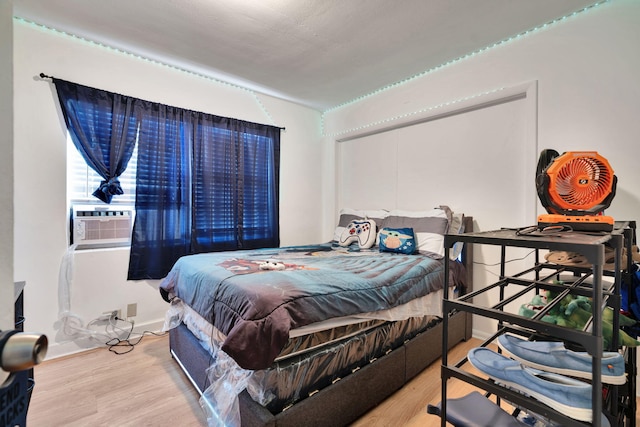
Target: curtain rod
x=44 y=76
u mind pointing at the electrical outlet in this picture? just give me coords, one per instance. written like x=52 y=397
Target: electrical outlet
x=111 y=314
x=132 y=310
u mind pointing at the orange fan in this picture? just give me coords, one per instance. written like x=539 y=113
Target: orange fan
x=575 y=188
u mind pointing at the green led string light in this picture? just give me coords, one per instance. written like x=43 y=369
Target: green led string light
x=467 y=56
x=145 y=59
x=127 y=53
x=413 y=113
x=264 y=109
x=356 y=100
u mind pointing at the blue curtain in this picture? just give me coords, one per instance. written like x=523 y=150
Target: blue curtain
x=204 y=183
x=103 y=127
x=162 y=227
x=235 y=184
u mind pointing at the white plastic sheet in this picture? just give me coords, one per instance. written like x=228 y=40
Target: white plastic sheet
x=70 y=325
x=173 y=316
x=220 y=399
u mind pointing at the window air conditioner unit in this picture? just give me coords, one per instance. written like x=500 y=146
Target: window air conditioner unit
x=101 y=226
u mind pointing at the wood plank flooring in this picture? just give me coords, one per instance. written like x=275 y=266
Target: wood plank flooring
x=146 y=388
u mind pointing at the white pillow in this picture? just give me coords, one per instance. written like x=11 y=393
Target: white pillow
x=429 y=227
x=441 y=212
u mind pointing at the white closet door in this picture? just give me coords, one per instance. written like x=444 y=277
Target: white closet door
x=480 y=162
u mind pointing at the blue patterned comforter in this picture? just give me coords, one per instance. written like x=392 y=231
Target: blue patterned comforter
x=256 y=308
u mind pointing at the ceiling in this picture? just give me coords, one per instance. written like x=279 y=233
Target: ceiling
x=319 y=53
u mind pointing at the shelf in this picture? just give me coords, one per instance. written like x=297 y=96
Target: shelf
x=592 y=247
x=588 y=244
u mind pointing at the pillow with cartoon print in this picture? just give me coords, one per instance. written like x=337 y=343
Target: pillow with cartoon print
x=399 y=240
x=361 y=231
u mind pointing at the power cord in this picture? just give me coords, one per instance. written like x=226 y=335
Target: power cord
x=540 y=231
x=115 y=344
x=506 y=261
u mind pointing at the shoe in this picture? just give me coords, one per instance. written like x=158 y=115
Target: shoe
x=566 y=395
x=554 y=357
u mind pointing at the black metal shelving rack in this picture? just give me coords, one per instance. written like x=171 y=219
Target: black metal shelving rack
x=592 y=247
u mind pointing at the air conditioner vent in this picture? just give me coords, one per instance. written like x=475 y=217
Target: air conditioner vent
x=100 y=226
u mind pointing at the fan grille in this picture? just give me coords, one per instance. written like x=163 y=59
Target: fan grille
x=581 y=181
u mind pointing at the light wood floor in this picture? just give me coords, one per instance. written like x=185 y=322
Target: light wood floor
x=146 y=388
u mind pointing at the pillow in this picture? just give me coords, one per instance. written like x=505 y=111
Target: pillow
x=429 y=227
x=398 y=240
x=347 y=215
x=361 y=231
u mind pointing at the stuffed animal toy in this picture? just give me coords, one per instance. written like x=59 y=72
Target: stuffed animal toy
x=575 y=312
x=271 y=265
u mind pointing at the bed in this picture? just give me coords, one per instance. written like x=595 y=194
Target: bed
x=292 y=336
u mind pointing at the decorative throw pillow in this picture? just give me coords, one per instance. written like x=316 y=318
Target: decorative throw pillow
x=429 y=227
x=347 y=215
x=400 y=240
x=361 y=231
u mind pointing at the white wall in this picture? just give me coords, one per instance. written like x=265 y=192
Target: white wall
x=6 y=166
x=586 y=68
x=41 y=224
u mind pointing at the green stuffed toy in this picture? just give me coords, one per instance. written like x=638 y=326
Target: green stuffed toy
x=575 y=312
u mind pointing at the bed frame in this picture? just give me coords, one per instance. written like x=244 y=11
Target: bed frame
x=342 y=402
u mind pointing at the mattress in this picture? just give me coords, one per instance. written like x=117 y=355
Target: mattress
x=320 y=358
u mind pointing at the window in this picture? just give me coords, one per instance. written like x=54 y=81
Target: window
x=222 y=185
x=201 y=182
x=205 y=183
x=83 y=180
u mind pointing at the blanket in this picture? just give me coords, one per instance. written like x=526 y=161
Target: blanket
x=256 y=297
